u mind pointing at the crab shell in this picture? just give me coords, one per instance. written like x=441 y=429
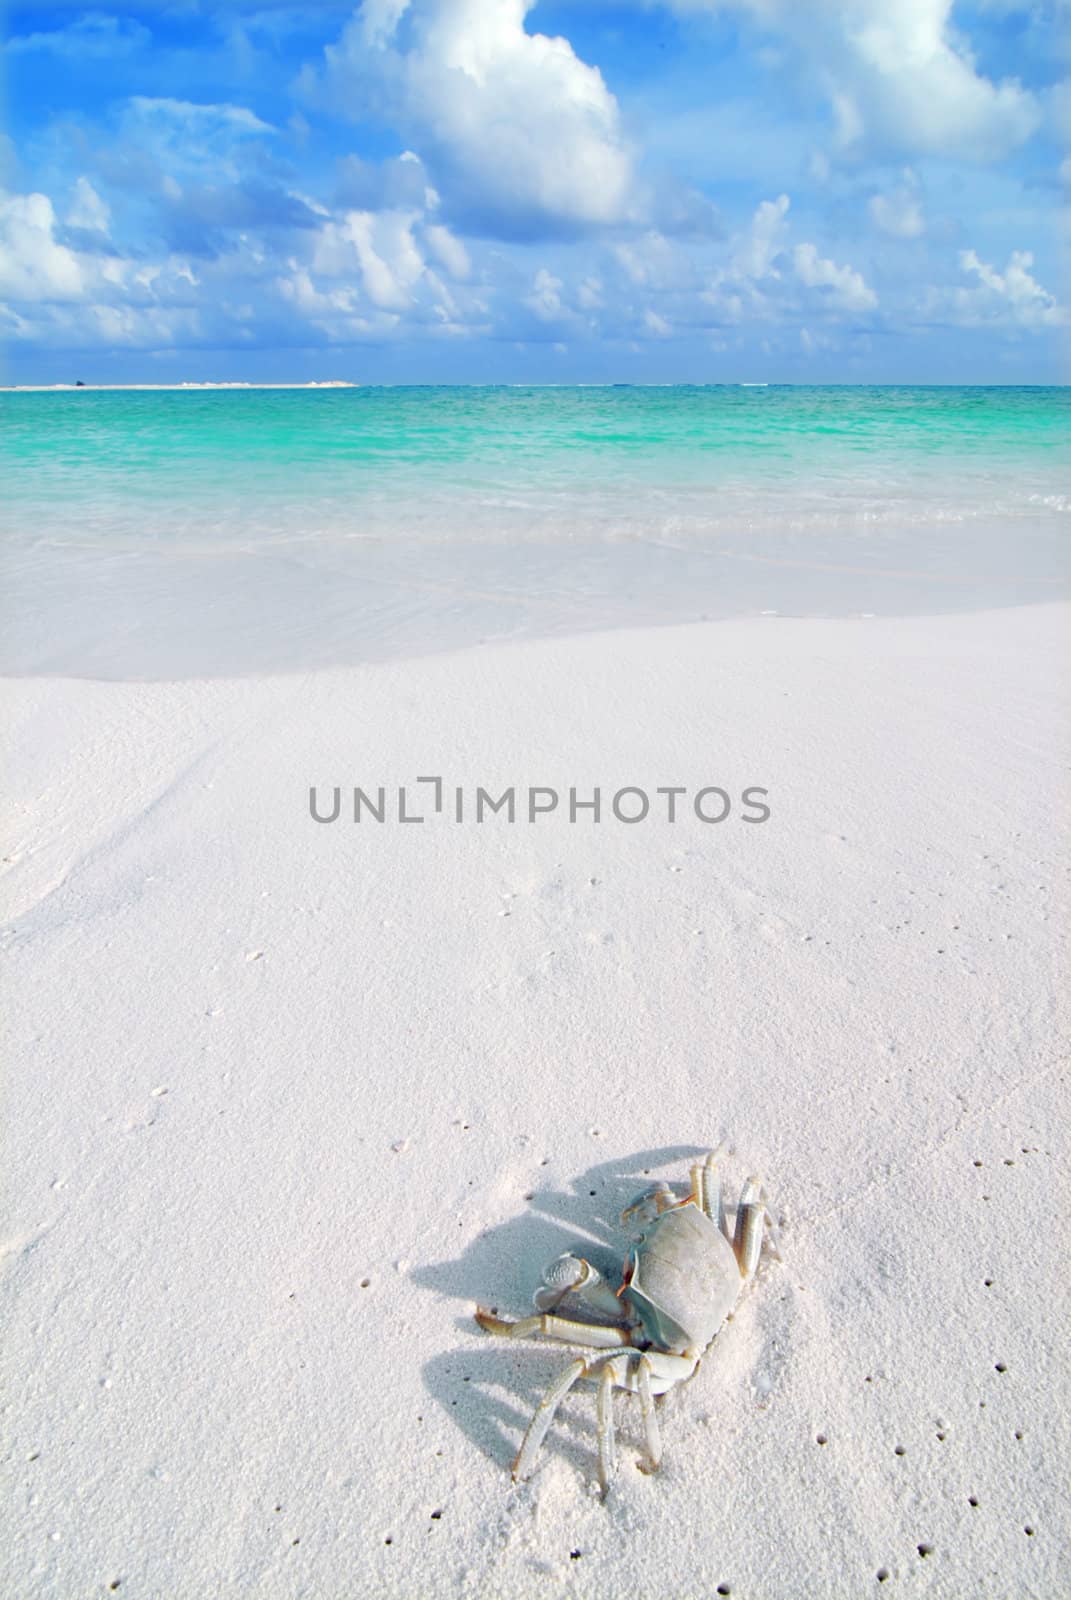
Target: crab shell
x=685 y=1280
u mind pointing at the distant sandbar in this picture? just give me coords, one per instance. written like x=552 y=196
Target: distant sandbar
x=51 y=388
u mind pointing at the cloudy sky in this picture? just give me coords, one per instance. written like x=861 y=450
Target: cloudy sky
x=452 y=190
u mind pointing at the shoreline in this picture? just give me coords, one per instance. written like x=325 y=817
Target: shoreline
x=627 y=633
x=385 y=653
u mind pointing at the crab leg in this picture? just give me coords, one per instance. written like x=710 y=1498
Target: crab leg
x=747 y=1234
x=706 y=1186
x=612 y=1371
x=544 y=1416
x=640 y=1375
x=594 y=1335
x=651 y=1433
x=605 y=1417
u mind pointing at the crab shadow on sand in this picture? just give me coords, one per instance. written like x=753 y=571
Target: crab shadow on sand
x=489 y=1387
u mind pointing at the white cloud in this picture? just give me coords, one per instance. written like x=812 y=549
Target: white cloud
x=376 y=247
x=545 y=299
x=72 y=328
x=520 y=134
x=33 y=266
x=189 y=139
x=400 y=183
x=917 y=85
x=1012 y=297
x=898 y=211
x=764 y=277
x=140 y=327
x=448 y=251
x=654 y=262
x=373 y=271
x=811 y=343
x=397 y=273
x=88 y=210
x=897 y=74
x=380 y=18
x=60 y=295
x=91 y=35
x=299 y=289
x=755 y=252
x=589 y=294
x=193 y=114
x=844 y=288
x=754 y=255
x=390 y=262
x=350 y=275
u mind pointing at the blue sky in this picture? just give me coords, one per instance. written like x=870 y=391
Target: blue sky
x=468 y=190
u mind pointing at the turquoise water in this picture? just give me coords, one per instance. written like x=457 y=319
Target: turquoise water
x=150 y=533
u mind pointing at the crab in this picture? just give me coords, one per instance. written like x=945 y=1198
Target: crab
x=685 y=1276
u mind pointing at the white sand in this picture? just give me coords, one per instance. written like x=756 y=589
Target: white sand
x=288 y=1099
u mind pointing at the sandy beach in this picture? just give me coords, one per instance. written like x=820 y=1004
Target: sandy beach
x=287 y=1099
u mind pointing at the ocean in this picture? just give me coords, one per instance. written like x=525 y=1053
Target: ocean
x=193 y=533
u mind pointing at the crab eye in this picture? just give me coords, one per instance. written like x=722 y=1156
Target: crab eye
x=564 y=1273
x=648 y=1205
